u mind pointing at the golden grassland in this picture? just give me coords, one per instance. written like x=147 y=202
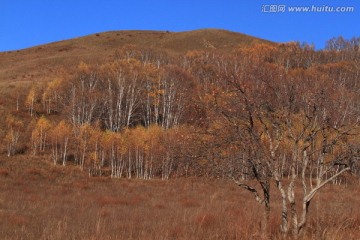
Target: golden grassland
x=42 y=201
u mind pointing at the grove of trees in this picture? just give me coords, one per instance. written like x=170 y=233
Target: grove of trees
x=282 y=114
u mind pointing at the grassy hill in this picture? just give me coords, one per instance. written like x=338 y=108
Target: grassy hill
x=197 y=120
x=22 y=68
x=40 y=62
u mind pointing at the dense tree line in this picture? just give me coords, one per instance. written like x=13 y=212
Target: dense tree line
x=208 y=93
x=282 y=113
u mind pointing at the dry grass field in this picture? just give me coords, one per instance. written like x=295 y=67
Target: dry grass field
x=42 y=201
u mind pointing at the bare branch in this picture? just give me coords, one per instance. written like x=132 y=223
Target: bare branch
x=251 y=189
x=319 y=186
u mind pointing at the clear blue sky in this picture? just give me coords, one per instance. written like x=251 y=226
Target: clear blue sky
x=25 y=23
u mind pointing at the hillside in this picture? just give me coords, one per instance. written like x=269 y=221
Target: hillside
x=112 y=110
x=40 y=62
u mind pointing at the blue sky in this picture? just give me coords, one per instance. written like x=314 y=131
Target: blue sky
x=26 y=23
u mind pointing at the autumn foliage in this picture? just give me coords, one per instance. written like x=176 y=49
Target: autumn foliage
x=282 y=114
x=129 y=116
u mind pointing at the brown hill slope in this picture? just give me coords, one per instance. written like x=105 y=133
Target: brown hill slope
x=39 y=63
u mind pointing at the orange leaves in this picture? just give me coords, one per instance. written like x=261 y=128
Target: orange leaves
x=108 y=139
x=258 y=53
x=141 y=150
x=32 y=99
x=128 y=51
x=13 y=123
x=84 y=68
x=194 y=54
x=60 y=136
x=85 y=133
x=147 y=139
x=61 y=131
x=51 y=95
x=43 y=124
x=39 y=134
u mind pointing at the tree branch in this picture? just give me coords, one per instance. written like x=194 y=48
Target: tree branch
x=251 y=189
x=313 y=191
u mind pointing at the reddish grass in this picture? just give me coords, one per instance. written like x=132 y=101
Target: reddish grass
x=205 y=220
x=109 y=200
x=4 y=172
x=33 y=171
x=70 y=205
x=189 y=203
x=18 y=219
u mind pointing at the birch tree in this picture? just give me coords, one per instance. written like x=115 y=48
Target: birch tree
x=31 y=100
x=12 y=136
x=51 y=98
x=39 y=136
x=60 y=136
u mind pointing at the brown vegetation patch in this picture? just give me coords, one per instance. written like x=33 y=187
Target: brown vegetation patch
x=190 y=203
x=76 y=207
x=18 y=219
x=109 y=200
x=205 y=220
x=33 y=171
x=82 y=185
x=4 y=172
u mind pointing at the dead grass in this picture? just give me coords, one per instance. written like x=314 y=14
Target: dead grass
x=69 y=205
